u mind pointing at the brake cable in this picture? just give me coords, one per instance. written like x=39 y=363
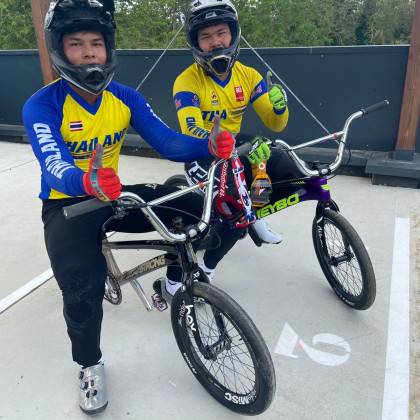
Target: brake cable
x=285 y=85
x=160 y=57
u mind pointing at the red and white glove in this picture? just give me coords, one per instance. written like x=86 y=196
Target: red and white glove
x=222 y=145
x=102 y=183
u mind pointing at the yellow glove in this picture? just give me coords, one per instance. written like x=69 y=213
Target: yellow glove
x=277 y=95
x=260 y=151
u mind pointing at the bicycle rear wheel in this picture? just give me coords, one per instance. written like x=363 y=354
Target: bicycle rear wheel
x=240 y=375
x=344 y=260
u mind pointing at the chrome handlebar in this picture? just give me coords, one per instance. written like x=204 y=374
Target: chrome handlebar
x=129 y=199
x=339 y=135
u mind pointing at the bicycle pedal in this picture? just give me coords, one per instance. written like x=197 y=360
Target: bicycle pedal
x=159 y=303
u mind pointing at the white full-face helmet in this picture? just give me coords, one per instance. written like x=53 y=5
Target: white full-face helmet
x=204 y=13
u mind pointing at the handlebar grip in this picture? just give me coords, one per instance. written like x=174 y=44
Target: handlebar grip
x=375 y=107
x=244 y=149
x=84 y=207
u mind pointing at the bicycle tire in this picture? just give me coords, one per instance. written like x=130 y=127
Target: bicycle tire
x=178 y=181
x=348 y=247
x=251 y=400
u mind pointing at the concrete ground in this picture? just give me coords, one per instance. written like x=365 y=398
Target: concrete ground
x=331 y=362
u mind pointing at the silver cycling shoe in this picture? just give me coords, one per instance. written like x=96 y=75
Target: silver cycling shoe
x=93 y=396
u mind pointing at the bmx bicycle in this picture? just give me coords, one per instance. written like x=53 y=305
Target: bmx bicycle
x=340 y=251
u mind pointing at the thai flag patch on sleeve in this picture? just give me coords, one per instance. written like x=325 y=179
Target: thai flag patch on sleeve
x=76 y=126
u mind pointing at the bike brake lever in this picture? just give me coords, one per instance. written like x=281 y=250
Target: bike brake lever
x=269 y=80
x=97 y=160
x=215 y=130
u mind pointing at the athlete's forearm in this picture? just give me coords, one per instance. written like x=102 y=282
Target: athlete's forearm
x=181 y=148
x=59 y=171
x=170 y=144
x=191 y=122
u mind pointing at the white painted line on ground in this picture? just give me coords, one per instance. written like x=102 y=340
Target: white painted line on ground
x=29 y=287
x=289 y=342
x=396 y=388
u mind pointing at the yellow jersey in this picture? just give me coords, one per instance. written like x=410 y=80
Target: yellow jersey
x=200 y=96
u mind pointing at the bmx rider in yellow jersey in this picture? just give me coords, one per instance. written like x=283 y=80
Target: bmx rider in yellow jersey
x=218 y=84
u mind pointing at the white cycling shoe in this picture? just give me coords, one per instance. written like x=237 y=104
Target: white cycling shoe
x=93 y=395
x=209 y=272
x=166 y=288
x=266 y=234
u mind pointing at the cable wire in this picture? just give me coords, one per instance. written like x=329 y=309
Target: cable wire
x=160 y=57
x=262 y=60
x=286 y=86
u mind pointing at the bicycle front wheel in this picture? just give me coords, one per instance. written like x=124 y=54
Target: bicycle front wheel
x=344 y=260
x=240 y=373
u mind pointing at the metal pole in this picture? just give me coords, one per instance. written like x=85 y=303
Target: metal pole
x=39 y=9
x=410 y=110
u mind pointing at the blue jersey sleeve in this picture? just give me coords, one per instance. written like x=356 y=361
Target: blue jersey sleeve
x=186 y=99
x=259 y=90
x=169 y=143
x=42 y=122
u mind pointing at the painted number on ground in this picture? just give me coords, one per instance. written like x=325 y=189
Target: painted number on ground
x=326 y=349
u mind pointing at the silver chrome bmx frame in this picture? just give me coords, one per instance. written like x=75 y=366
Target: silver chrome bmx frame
x=170 y=239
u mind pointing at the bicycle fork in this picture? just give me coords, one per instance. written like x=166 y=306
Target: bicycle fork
x=192 y=273
x=347 y=255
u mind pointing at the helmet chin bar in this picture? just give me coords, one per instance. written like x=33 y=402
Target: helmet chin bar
x=220 y=64
x=94 y=84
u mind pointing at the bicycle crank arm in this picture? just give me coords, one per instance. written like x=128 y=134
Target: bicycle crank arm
x=140 y=292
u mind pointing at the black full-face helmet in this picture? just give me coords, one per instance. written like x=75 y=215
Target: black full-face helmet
x=204 y=13
x=69 y=16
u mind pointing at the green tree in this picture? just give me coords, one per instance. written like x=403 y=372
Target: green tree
x=265 y=23
x=149 y=23
x=16 y=28
x=390 y=22
x=270 y=23
x=385 y=22
x=338 y=18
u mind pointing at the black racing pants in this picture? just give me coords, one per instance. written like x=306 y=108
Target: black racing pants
x=75 y=250
x=279 y=167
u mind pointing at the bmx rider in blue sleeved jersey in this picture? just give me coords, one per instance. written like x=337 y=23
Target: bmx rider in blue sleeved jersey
x=65 y=121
